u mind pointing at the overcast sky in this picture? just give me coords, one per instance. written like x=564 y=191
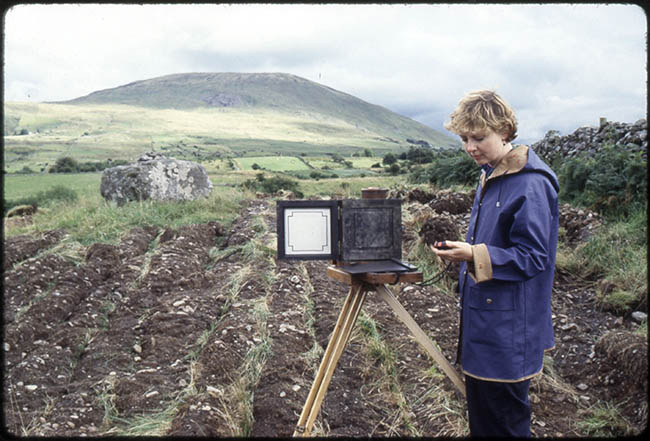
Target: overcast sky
x=559 y=66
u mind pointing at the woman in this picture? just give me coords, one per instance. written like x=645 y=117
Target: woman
x=507 y=265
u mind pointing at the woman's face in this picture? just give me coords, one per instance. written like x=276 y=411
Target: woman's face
x=485 y=147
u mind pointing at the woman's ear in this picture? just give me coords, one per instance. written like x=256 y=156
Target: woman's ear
x=504 y=137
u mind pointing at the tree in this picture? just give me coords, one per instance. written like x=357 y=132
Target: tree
x=389 y=159
x=420 y=155
x=394 y=169
x=65 y=164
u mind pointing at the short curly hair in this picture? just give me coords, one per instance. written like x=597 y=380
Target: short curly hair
x=483 y=109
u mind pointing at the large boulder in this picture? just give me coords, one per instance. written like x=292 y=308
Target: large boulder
x=157 y=177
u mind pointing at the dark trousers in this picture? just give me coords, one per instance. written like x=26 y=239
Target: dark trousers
x=498 y=409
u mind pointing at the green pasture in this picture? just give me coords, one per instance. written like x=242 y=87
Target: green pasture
x=222 y=172
x=90 y=219
x=22 y=186
x=37 y=134
x=364 y=162
x=327 y=163
x=17 y=186
x=271 y=163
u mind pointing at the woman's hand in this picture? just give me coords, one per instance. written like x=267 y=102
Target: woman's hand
x=453 y=251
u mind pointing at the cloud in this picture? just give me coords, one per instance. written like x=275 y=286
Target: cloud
x=560 y=66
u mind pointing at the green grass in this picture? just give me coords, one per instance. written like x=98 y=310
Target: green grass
x=22 y=186
x=617 y=253
x=346 y=187
x=91 y=220
x=272 y=163
x=97 y=132
x=604 y=420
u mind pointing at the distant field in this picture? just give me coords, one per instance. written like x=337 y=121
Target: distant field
x=362 y=162
x=21 y=186
x=86 y=185
x=225 y=172
x=272 y=163
x=36 y=134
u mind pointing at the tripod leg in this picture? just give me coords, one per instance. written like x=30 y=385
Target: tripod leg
x=337 y=341
x=340 y=346
x=421 y=337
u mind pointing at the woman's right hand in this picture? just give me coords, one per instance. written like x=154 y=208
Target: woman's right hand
x=454 y=251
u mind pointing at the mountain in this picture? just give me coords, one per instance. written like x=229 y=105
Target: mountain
x=278 y=92
x=206 y=116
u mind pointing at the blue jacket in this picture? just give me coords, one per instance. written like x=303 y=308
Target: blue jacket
x=505 y=292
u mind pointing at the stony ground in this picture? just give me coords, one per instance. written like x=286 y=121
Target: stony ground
x=200 y=331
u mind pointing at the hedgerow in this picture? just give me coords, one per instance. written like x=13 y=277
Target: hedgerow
x=613 y=183
x=68 y=164
x=272 y=185
x=448 y=168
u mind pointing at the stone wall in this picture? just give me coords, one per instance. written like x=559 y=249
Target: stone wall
x=632 y=137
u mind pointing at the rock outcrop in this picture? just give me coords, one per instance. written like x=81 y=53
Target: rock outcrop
x=157 y=177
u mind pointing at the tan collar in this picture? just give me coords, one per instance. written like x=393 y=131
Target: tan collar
x=511 y=163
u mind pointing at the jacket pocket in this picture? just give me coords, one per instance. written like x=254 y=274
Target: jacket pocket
x=491 y=318
x=492 y=298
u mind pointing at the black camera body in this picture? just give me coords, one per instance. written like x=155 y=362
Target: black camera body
x=347 y=230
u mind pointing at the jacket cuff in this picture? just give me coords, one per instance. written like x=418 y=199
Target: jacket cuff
x=482 y=263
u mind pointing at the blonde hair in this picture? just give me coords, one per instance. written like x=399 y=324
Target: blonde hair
x=480 y=110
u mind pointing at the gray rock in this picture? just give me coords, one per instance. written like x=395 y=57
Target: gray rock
x=639 y=316
x=155 y=177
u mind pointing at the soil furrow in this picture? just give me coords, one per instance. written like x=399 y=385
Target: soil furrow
x=283 y=386
x=188 y=332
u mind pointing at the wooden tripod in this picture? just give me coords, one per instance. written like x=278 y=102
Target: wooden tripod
x=360 y=285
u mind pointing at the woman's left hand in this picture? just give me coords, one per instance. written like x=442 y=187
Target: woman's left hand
x=453 y=251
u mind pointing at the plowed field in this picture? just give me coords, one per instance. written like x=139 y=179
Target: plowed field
x=199 y=331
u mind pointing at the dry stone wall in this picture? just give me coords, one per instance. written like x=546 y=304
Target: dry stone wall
x=592 y=140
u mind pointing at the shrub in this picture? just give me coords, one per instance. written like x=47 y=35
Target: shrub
x=315 y=174
x=389 y=159
x=65 y=164
x=420 y=155
x=393 y=169
x=68 y=164
x=614 y=183
x=25 y=170
x=43 y=198
x=448 y=168
x=272 y=185
x=573 y=176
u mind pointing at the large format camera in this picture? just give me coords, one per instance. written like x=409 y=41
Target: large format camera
x=361 y=235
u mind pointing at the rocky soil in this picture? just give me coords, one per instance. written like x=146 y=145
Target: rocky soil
x=199 y=331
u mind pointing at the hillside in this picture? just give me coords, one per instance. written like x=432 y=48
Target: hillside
x=280 y=92
x=203 y=116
